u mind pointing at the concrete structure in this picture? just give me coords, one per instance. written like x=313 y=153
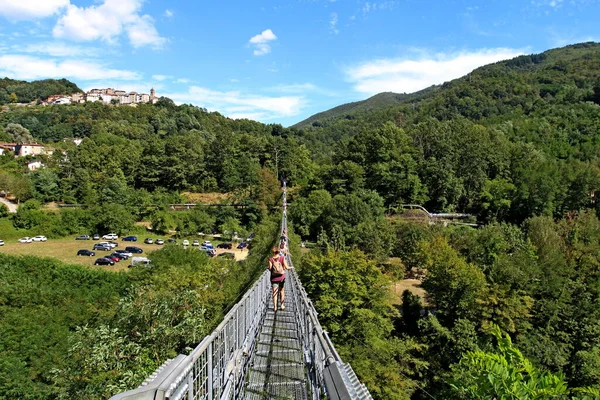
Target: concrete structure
x=29 y=149
x=77 y=141
x=7 y=147
x=34 y=165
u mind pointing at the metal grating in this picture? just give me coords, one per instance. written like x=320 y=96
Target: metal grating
x=277 y=369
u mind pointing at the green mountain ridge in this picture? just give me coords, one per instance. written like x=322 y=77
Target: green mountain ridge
x=376 y=101
x=548 y=73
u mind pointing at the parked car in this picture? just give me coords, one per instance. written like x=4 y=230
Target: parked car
x=225 y=246
x=196 y=243
x=207 y=243
x=1 y=242
x=251 y=236
x=113 y=257
x=104 y=261
x=227 y=255
x=171 y=240
x=133 y=249
x=110 y=236
x=83 y=237
x=112 y=245
x=242 y=245
x=121 y=256
x=130 y=239
x=96 y=237
x=209 y=252
x=88 y=253
x=102 y=247
x=159 y=241
x=124 y=252
x=39 y=238
x=25 y=240
x=148 y=241
x=185 y=242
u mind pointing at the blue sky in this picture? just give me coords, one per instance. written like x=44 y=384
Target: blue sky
x=277 y=61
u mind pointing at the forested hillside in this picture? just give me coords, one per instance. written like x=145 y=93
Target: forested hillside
x=511 y=310
x=510 y=140
x=13 y=91
x=516 y=144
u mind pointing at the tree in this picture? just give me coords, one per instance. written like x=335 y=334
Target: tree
x=351 y=295
x=113 y=218
x=20 y=187
x=45 y=183
x=306 y=211
x=4 y=212
x=18 y=133
x=14 y=98
x=503 y=374
x=161 y=221
x=454 y=285
x=231 y=227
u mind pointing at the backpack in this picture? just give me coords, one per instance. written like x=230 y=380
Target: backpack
x=277 y=267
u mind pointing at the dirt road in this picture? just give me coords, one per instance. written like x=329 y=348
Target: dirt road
x=11 y=206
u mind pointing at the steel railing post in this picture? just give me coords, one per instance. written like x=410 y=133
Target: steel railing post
x=209 y=372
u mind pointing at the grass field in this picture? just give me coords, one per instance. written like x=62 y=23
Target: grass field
x=66 y=251
x=206 y=198
x=412 y=285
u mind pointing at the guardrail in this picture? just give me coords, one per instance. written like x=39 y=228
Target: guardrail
x=215 y=369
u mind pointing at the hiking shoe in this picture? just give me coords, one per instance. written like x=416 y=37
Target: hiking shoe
x=282 y=307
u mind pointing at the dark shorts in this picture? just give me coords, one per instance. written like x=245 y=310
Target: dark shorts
x=277 y=285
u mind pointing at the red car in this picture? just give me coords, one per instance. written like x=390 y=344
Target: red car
x=114 y=258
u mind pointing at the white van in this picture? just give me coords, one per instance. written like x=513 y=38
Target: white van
x=140 y=260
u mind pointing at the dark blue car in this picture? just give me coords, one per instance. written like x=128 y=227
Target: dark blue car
x=130 y=239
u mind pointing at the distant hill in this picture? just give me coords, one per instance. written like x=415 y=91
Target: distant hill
x=14 y=91
x=492 y=90
x=377 y=101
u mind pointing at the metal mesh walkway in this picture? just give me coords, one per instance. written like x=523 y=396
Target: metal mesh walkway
x=277 y=365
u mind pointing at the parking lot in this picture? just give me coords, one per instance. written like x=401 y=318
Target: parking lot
x=65 y=250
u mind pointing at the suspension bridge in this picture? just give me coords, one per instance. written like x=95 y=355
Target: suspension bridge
x=259 y=353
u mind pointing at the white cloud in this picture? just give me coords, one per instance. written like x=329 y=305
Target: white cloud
x=161 y=77
x=169 y=14
x=300 y=88
x=548 y=3
x=332 y=24
x=28 y=67
x=386 y=5
x=261 y=41
x=407 y=76
x=182 y=80
x=31 y=9
x=107 y=22
x=59 y=49
x=235 y=104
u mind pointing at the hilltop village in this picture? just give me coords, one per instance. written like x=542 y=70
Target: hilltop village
x=107 y=96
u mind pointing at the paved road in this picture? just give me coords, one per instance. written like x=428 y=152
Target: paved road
x=11 y=206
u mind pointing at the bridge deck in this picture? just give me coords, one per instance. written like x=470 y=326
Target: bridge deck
x=277 y=369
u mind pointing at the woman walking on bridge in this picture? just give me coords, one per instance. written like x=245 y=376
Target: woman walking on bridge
x=277 y=267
